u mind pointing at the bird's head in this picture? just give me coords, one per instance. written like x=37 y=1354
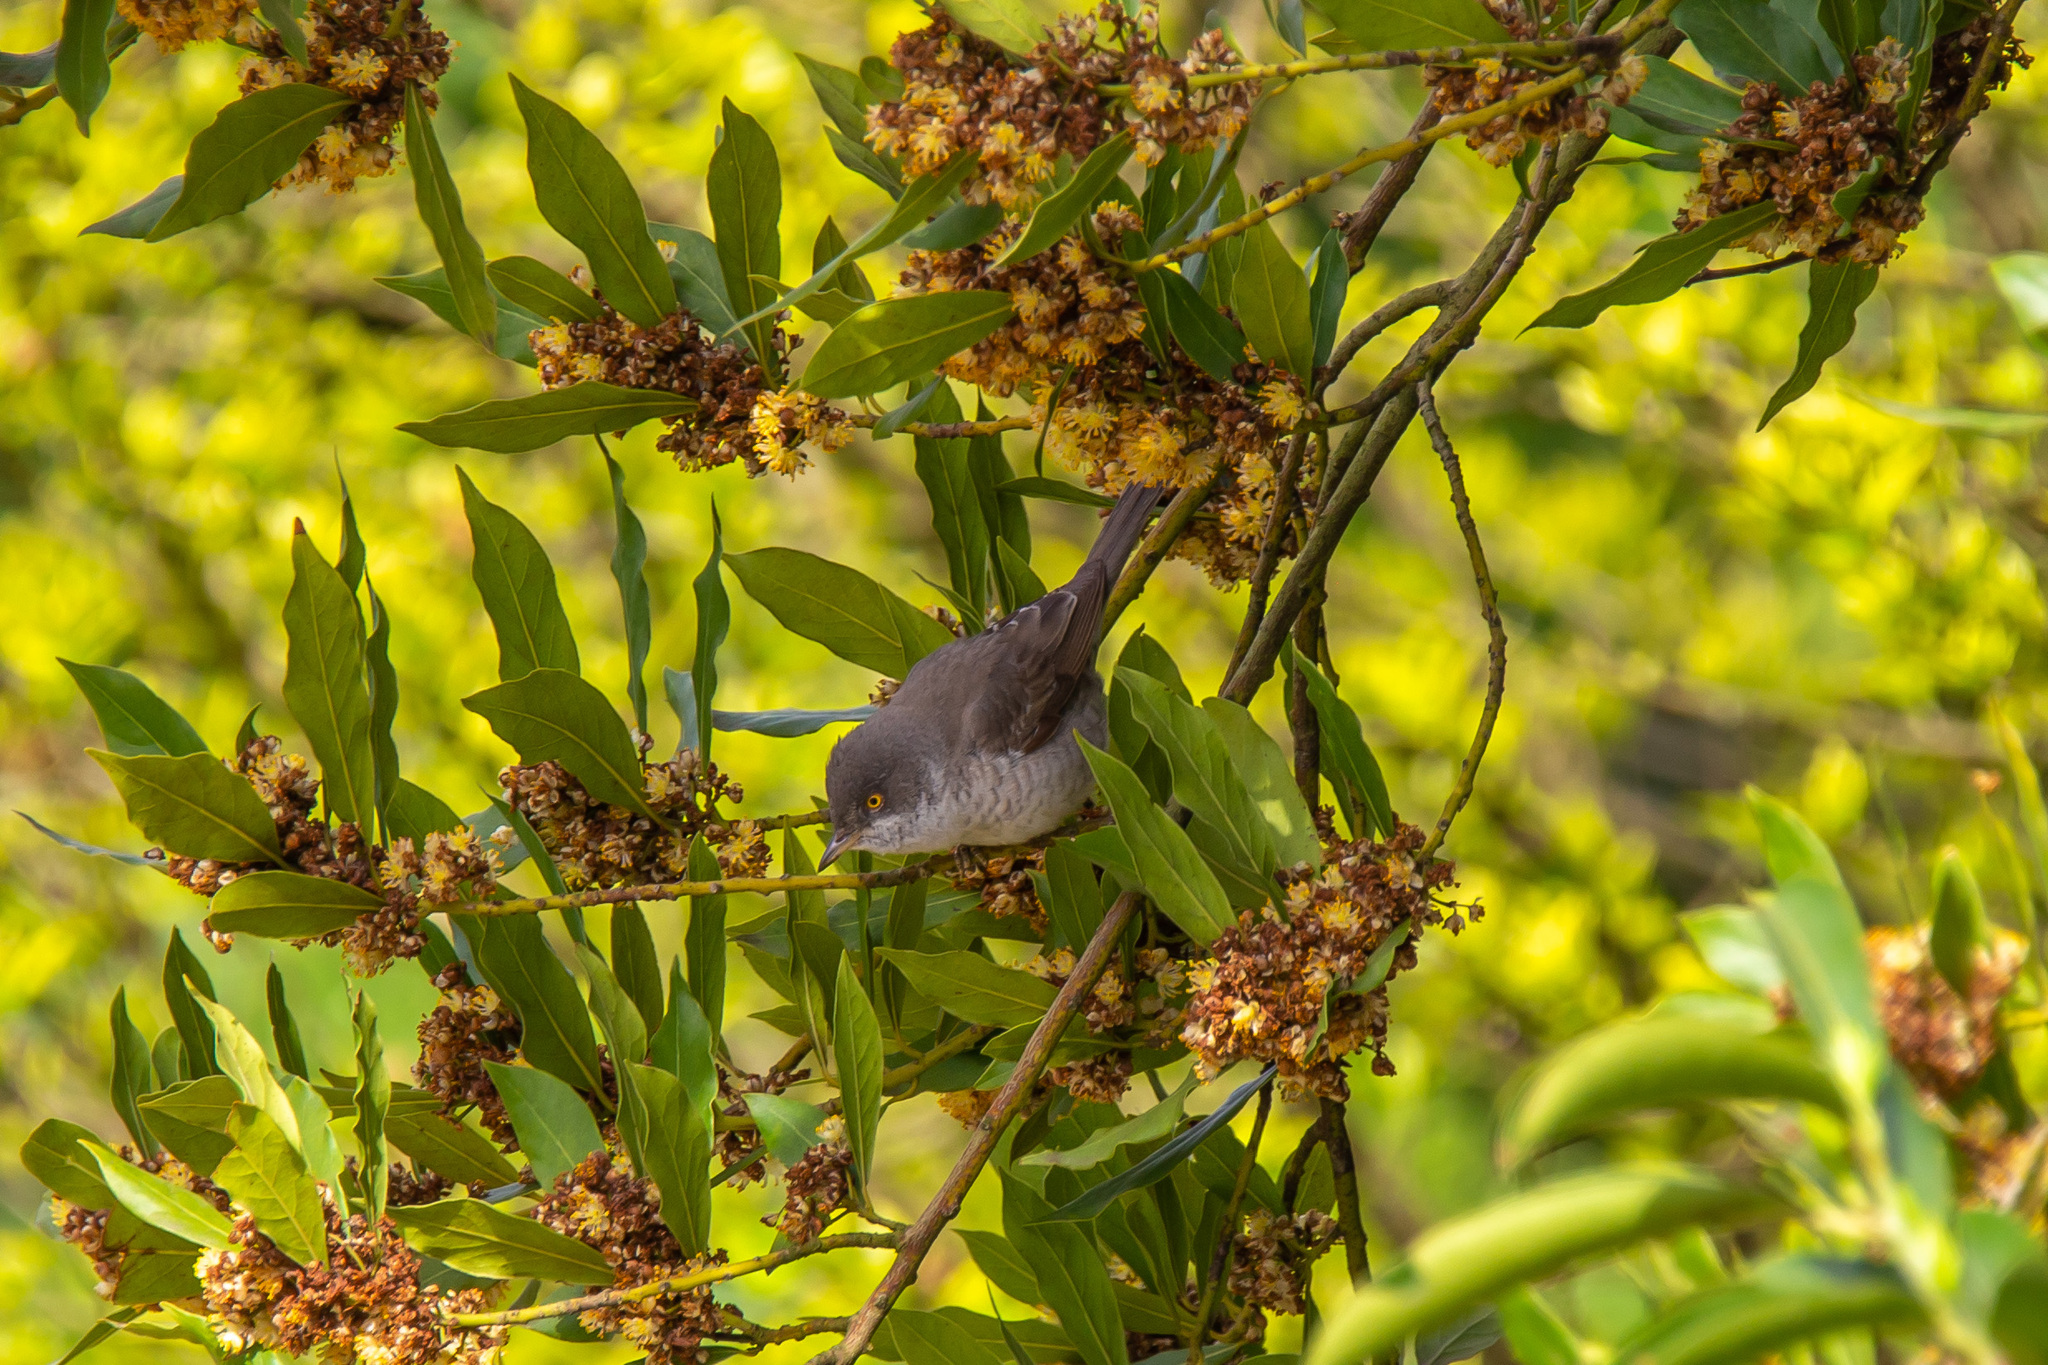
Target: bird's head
x=876 y=787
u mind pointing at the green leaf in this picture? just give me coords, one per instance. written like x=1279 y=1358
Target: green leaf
x=249 y=145
x=135 y=221
x=1206 y=781
x=857 y=1057
x=704 y=941
x=133 y=720
x=1059 y=211
x=415 y=812
x=447 y=1148
x=1660 y=268
x=1211 y=340
x=1676 y=101
x=289 y=905
x=743 y=188
x=1663 y=1063
x=931 y=1339
x=440 y=208
x=1535 y=1333
x=103 y=1330
x=787 y=723
x=241 y=1058
x=553 y=1123
x=1271 y=301
x=131 y=1071
x=582 y=409
x=1850 y=24
x=482 y=1239
x=634 y=961
x=515 y=958
x=267 y=1178
x=1379 y=25
x=373 y=1106
x=629 y=571
x=864 y=161
x=1070 y=1272
x=695 y=271
x=1747 y=41
x=514 y=323
x=517 y=583
x=27 y=70
x=191 y=1119
x=193 y=805
x=1959 y=926
x=542 y=290
x=840 y=94
x=1099 y=1146
x=1268 y=774
x=1168 y=864
x=971 y=987
x=1165 y=1160
x=1346 y=759
x=324 y=684
x=284 y=16
x=55 y=1154
x=1006 y=23
x=553 y=714
x=1053 y=490
x=675 y=1150
x=1465 y=1261
x=625 y=1030
x=383 y=684
x=840 y=608
x=714 y=619
x=1780 y=1303
x=789 y=1127
x=81 y=67
x=157 y=1202
x=887 y=343
x=943 y=468
x=1326 y=294
x=1026 y=587
x=185 y=983
x=1833 y=294
x=684 y=1046
x=584 y=194
x=1732 y=940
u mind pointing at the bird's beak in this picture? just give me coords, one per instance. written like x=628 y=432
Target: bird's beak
x=840 y=843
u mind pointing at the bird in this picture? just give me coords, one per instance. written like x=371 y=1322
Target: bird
x=977 y=747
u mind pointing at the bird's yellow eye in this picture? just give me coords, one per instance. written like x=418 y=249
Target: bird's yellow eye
x=874 y=800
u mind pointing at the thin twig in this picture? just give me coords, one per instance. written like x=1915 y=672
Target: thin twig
x=695 y=1279
x=1489 y=607
x=1755 y=268
x=771 y=1336
x=1550 y=50
x=1422 y=296
x=947 y=431
x=21 y=106
x=1362 y=225
x=1344 y=1171
x=1023 y=1082
x=1284 y=492
x=1226 y=1231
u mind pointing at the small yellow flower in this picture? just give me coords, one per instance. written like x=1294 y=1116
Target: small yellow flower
x=358 y=71
x=1155 y=94
x=1283 y=402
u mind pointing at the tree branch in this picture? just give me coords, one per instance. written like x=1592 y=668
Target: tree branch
x=1344 y=1168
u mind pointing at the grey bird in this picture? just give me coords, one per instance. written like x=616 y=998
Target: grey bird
x=977 y=745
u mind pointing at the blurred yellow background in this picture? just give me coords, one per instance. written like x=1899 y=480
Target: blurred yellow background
x=1822 y=608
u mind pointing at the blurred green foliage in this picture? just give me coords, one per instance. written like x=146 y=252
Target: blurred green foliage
x=1822 y=608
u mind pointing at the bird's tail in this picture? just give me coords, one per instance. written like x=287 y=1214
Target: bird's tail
x=1123 y=528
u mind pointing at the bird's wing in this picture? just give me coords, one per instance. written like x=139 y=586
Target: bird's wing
x=1035 y=660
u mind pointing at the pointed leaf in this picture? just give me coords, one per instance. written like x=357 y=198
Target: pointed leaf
x=552 y=714
x=890 y=342
x=1206 y=781
x=1155 y=1123
x=1380 y=25
x=1833 y=294
x=193 y=805
x=440 y=208
x=249 y=145
x=482 y=1239
x=743 y=188
x=324 y=682
x=373 y=1107
x=1070 y=1272
x=1006 y=23
x=81 y=66
x=840 y=608
x=1269 y=775
x=133 y=719
x=1661 y=268
x=288 y=905
x=1744 y=41
x=629 y=571
x=1164 y=1161
x=1347 y=761
x=788 y=1126
x=542 y=290
x=267 y=1178
x=1211 y=340
x=1168 y=863
x=971 y=987
x=1959 y=926
x=857 y=1057
x=517 y=583
x=714 y=618
x=1271 y=301
x=131 y=1079
x=160 y=1204
x=447 y=1148
x=1791 y=1300
x=554 y=1125
x=698 y=277
x=1059 y=211
x=55 y=1154
x=582 y=409
x=135 y=221
x=516 y=960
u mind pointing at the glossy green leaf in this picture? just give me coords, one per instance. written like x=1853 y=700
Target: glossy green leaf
x=415 y=812
x=514 y=323
x=1053 y=490
x=159 y=1203
x=890 y=342
x=542 y=290
x=840 y=608
x=382 y=679
x=289 y=905
x=840 y=94
x=133 y=719
x=676 y=1151
x=857 y=1057
x=933 y=1339
x=943 y=468
x=1058 y=212
x=1326 y=294
x=1779 y=1303
x=135 y=221
x=1165 y=1160
x=1006 y=23
x=1347 y=761
x=440 y=208
x=699 y=279
x=90 y=850
x=55 y=1154
x=629 y=571
x=192 y=805
x=714 y=619
x=1676 y=101
x=516 y=960
x=517 y=583
x=284 y=17
x=1210 y=339
x=1660 y=268
x=553 y=1123
x=1833 y=294
x=971 y=987
x=1378 y=25
x=186 y=983
x=482 y=1239
x=1746 y=41
x=324 y=684
x=634 y=960
x=553 y=714
x=584 y=194
x=373 y=1106
x=131 y=1071
x=1268 y=774
x=743 y=188
x=1271 y=300
x=447 y=1148
x=788 y=1126
x=704 y=941
x=82 y=70
x=1644 y=1064
x=249 y=145
x=1099 y=1146
x=583 y=409
x=242 y=1060
x=1206 y=781
x=1071 y=1275
x=191 y=1117
x=1168 y=864
x=787 y=723
x=267 y=1178
x=1467 y=1260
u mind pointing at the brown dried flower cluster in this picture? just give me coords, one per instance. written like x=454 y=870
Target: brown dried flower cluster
x=365 y=1304
x=966 y=1107
x=1278 y=990
x=595 y=843
x=368 y=50
x=816 y=1187
x=1942 y=1041
x=1271 y=1258
x=89 y=1229
x=1120 y=416
x=1102 y=1080
x=1004 y=884
x=174 y=23
x=735 y=1145
x=456 y=866
x=1460 y=90
x=604 y=1205
x=1802 y=151
x=737 y=416
x=470 y=1026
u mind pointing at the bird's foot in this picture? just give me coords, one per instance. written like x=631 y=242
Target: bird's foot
x=968 y=862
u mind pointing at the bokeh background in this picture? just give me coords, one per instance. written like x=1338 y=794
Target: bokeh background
x=1824 y=608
